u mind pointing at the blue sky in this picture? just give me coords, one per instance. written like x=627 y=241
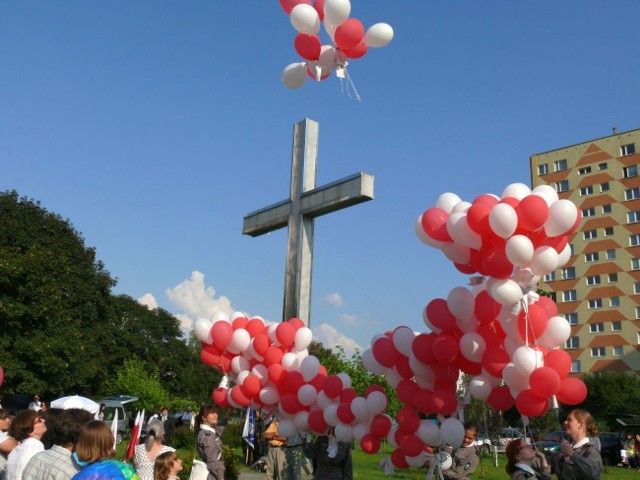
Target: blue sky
x=154 y=127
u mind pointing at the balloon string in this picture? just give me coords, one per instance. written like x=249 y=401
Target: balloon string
x=525 y=307
x=350 y=85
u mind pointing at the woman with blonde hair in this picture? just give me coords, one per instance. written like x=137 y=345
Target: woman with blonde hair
x=95 y=452
x=524 y=462
x=146 y=453
x=578 y=460
x=167 y=467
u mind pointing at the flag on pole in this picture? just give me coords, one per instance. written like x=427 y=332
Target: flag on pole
x=249 y=429
x=135 y=435
x=114 y=428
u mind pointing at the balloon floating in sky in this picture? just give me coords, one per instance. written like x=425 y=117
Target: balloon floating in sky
x=348 y=39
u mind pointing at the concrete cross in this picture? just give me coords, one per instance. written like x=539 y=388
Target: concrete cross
x=306 y=201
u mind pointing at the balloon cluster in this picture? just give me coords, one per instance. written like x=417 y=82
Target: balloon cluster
x=349 y=40
x=513 y=240
x=273 y=371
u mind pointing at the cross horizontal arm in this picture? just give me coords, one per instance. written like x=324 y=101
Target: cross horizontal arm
x=337 y=195
x=267 y=219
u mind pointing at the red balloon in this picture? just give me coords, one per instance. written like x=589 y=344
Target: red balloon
x=369 y=444
x=572 y=391
x=345 y=415
x=239 y=397
x=261 y=343
x=293 y=381
x=411 y=445
x=533 y=325
x=251 y=386
x=225 y=363
x=532 y=212
x=219 y=397
x=496 y=263
x=287 y=5
x=403 y=367
x=434 y=224
x=501 y=399
x=576 y=224
x=444 y=401
x=210 y=356
x=422 y=348
x=422 y=401
x=440 y=316
x=358 y=51
x=297 y=323
x=273 y=355
x=548 y=305
x=333 y=386
x=467 y=366
x=408 y=420
x=466 y=269
x=560 y=361
x=478 y=217
x=255 y=327
x=486 y=308
x=318 y=382
x=221 y=333
x=493 y=334
x=317 y=423
x=514 y=202
x=531 y=405
x=239 y=322
x=558 y=243
x=380 y=426
x=494 y=360
x=277 y=374
x=544 y=381
x=349 y=34
x=445 y=348
x=290 y=404
x=348 y=394
x=384 y=352
x=373 y=388
x=319 y=6
x=286 y=334
x=407 y=390
x=398 y=460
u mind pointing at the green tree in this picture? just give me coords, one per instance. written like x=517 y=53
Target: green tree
x=611 y=394
x=136 y=378
x=53 y=292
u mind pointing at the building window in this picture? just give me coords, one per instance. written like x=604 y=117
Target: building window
x=606 y=208
x=575 y=366
x=593 y=280
x=637 y=313
x=628 y=149
x=572 y=318
x=559 y=165
x=608 y=231
x=616 y=326
x=589 y=212
x=562 y=186
x=631 y=171
x=632 y=193
x=584 y=191
x=596 y=327
x=592 y=257
x=584 y=170
x=569 y=296
x=633 y=217
x=635 y=264
x=636 y=288
x=604 y=187
x=634 y=239
x=571 y=249
x=638 y=338
x=597 y=352
x=569 y=273
x=614 y=302
x=550 y=277
x=617 y=350
x=572 y=343
x=543 y=169
x=595 y=303
x=613 y=277
x=602 y=166
x=590 y=234
x=610 y=254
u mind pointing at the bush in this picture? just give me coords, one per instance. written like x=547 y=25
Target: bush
x=231 y=463
x=183 y=437
x=232 y=435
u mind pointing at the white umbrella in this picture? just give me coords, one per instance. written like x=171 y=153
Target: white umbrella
x=76 y=401
x=114 y=429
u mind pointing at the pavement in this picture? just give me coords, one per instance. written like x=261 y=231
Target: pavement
x=252 y=476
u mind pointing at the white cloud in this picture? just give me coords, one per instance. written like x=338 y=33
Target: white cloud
x=196 y=300
x=334 y=299
x=331 y=338
x=149 y=301
x=349 y=319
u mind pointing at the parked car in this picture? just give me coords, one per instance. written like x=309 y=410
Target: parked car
x=506 y=435
x=610 y=446
x=482 y=443
x=551 y=442
x=118 y=403
x=15 y=402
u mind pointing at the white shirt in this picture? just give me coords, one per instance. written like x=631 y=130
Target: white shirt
x=581 y=442
x=20 y=456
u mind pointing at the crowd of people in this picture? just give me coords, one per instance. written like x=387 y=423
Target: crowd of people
x=52 y=444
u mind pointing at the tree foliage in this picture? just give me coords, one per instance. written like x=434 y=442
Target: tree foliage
x=138 y=379
x=612 y=394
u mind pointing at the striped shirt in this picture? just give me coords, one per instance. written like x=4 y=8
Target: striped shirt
x=53 y=464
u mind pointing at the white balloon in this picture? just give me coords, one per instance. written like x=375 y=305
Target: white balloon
x=544 y=261
x=514 y=379
x=220 y=315
x=330 y=29
x=269 y=395
x=301 y=421
x=457 y=253
x=370 y=364
x=461 y=207
x=547 y=192
x=424 y=238
x=480 y=387
x=344 y=433
x=295 y=74
x=326 y=62
x=378 y=35
x=271 y=331
x=238 y=364
x=323 y=401
x=330 y=415
x=241 y=376
x=428 y=323
x=403 y=339
x=303 y=338
x=391 y=437
x=444 y=460
x=472 y=346
x=503 y=220
x=239 y=341
x=519 y=250
x=418 y=368
x=309 y=367
x=452 y=431
x=346 y=379
x=393 y=377
x=417 y=461
x=307 y=395
x=360 y=409
x=202 y=329
x=506 y=291
x=290 y=362
x=337 y=11
x=460 y=231
x=376 y=402
x=447 y=201
x=562 y=216
x=564 y=256
x=556 y=333
x=360 y=430
x=461 y=303
x=231 y=401
x=516 y=190
x=526 y=360
x=287 y=428
x=305 y=19
x=429 y=433
x=262 y=373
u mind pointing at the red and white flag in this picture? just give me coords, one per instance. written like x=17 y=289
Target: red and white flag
x=135 y=435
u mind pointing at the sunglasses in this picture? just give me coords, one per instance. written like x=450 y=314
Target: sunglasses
x=38 y=420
